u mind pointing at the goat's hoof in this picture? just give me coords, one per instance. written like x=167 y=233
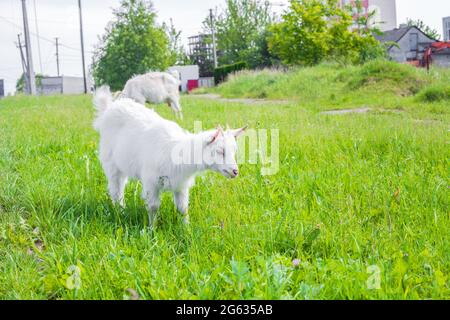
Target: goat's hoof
x=186 y=220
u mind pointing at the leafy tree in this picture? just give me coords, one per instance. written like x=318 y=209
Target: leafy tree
x=366 y=46
x=20 y=84
x=314 y=30
x=430 y=32
x=133 y=44
x=241 y=30
x=176 y=47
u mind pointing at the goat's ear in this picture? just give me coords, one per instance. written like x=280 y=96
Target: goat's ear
x=238 y=132
x=215 y=136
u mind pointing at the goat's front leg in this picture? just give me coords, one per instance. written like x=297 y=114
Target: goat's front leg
x=174 y=104
x=151 y=196
x=181 y=199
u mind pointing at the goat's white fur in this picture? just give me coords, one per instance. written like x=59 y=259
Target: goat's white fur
x=155 y=87
x=135 y=142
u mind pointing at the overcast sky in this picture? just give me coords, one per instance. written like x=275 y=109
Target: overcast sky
x=59 y=18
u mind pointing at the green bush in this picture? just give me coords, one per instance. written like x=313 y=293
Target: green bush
x=221 y=73
x=435 y=93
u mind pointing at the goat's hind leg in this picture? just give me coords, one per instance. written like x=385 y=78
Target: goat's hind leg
x=181 y=200
x=151 y=196
x=117 y=182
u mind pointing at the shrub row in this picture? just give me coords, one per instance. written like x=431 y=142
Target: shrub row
x=221 y=73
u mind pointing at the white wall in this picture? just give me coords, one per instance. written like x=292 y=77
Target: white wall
x=446 y=25
x=441 y=60
x=207 y=82
x=386 y=13
x=50 y=86
x=187 y=73
x=63 y=85
x=74 y=85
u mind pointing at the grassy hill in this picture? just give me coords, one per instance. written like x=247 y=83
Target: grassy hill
x=359 y=200
x=378 y=84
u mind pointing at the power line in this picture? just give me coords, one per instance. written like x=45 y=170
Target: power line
x=41 y=37
x=10 y=68
x=21 y=28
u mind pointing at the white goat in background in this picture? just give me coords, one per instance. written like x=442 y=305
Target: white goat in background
x=155 y=87
x=135 y=142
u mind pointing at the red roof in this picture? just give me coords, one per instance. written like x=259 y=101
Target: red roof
x=441 y=45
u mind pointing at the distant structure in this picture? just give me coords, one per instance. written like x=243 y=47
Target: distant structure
x=189 y=77
x=446 y=22
x=385 y=12
x=201 y=53
x=2 y=88
x=61 y=85
x=410 y=44
x=439 y=54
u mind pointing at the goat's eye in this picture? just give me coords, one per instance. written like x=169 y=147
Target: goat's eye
x=221 y=152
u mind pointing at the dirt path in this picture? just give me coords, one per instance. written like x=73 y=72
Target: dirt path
x=347 y=111
x=248 y=101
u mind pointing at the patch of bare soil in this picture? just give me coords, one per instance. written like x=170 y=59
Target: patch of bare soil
x=427 y=121
x=248 y=101
x=346 y=111
x=361 y=111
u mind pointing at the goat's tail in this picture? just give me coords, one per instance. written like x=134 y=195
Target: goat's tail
x=103 y=99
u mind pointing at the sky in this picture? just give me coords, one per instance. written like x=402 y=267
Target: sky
x=59 y=18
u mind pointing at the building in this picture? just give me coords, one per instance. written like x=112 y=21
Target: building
x=2 y=88
x=440 y=54
x=406 y=44
x=446 y=24
x=189 y=77
x=61 y=85
x=385 y=12
x=201 y=53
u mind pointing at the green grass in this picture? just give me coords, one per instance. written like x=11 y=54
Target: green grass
x=353 y=191
x=435 y=93
x=378 y=84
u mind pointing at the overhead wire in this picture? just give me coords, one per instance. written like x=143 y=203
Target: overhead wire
x=41 y=37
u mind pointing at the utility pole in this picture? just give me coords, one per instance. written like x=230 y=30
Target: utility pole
x=213 y=32
x=30 y=70
x=82 y=47
x=24 y=65
x=57 y=56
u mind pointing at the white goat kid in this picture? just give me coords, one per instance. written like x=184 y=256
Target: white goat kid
x=135 y=142
x=155 y=87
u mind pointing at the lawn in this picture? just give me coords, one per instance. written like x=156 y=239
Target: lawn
x=358 y=210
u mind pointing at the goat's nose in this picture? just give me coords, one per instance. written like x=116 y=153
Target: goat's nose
x=236 y=172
